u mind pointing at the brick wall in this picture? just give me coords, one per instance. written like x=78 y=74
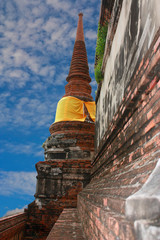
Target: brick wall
x=13 y=227
x=128 y=117
x=131 y=38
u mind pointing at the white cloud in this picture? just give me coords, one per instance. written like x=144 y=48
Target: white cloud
x=47 y=71
x=17 y=183
x=51 y=24
x=39 y=9
x=57 y=35
x=27 y=111
x=27 y=148
x=61 y=78
x=60 y=5
x=15 y=211
x=20 y=57
x=93 y=83
x=91 y=67
x=40 y=153
x=90 y=34
x=17 y=77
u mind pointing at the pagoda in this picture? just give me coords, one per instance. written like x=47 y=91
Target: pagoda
x=68 y=150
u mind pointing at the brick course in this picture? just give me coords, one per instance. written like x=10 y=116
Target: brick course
x=13 y=227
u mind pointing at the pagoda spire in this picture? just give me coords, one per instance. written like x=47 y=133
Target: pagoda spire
x=78 y=78
x=80 y=34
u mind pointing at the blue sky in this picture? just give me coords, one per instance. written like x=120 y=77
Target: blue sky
x=36 y=44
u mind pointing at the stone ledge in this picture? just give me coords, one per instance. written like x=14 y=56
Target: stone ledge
x=147 y=230
x=68 y=226
x=145 y=204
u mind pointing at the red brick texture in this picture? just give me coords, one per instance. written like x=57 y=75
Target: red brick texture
x=126 y=155
x=78 y=77
x=67 y=227
x=80 y=34
x=60 y=179
x=83 y=132
x=55 y=193
x=13 y=227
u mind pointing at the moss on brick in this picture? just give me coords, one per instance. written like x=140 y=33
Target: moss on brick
x=101 y=40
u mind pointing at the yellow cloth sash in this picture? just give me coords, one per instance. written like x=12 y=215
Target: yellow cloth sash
x=72 y=109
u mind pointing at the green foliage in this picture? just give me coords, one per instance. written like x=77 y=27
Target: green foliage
x=101 y=40
x=98 y=72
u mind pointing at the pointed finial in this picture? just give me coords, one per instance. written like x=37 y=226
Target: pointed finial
x=78 y=78
x=80 y=34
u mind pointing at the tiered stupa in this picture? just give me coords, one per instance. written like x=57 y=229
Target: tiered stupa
x=69 y=150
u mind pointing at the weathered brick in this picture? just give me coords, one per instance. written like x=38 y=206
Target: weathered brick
x=13 y=227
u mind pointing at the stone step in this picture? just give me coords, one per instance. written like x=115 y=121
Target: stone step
x=67 y=227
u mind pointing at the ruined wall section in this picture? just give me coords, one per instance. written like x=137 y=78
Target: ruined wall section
x=136 y=28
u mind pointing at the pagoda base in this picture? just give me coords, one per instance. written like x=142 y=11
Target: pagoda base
x=58 y=184
x=63 y=174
